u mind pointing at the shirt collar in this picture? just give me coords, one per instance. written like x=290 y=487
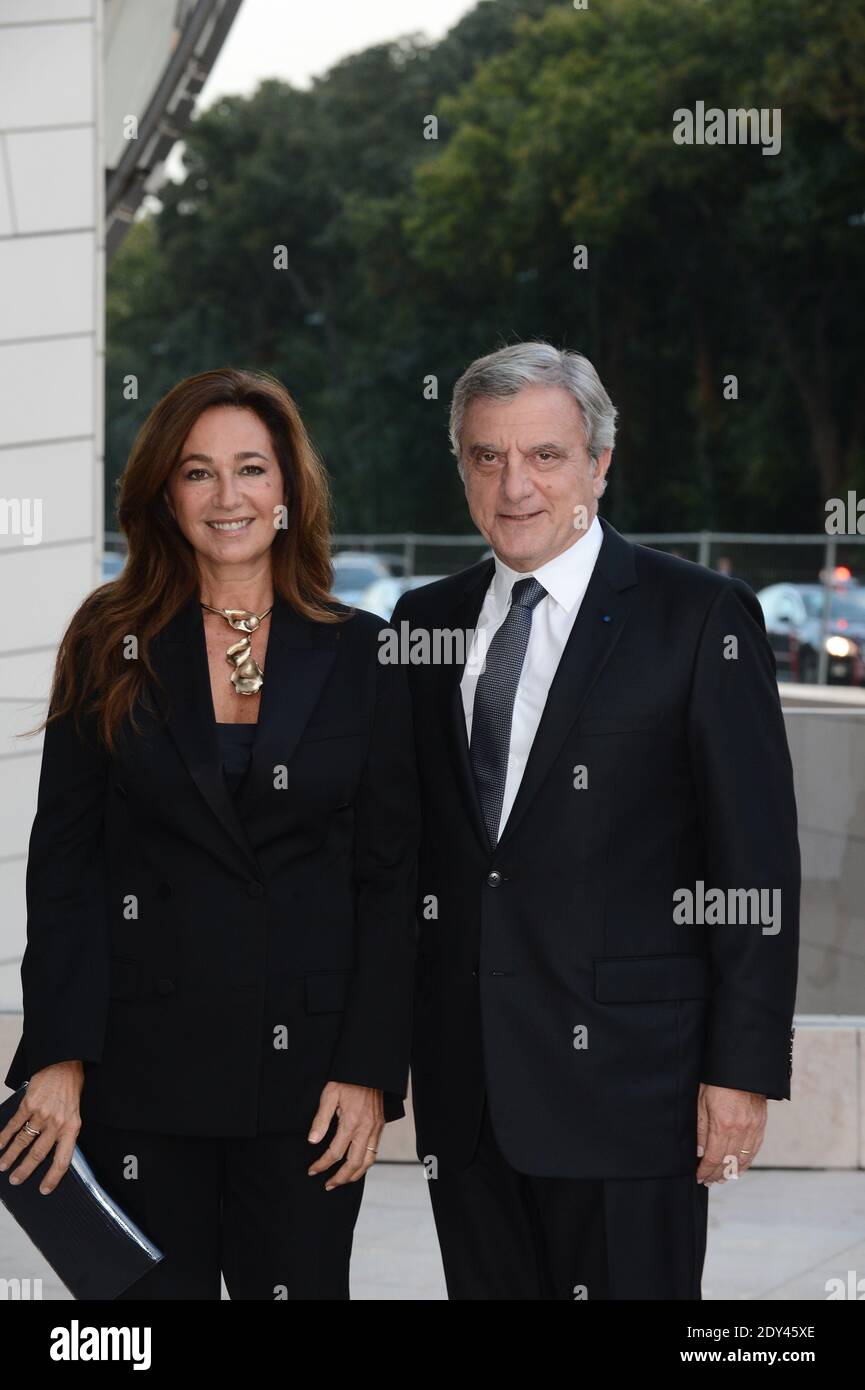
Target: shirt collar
x=565 y=577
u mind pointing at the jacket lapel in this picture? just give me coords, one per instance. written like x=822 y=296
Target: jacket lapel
x=179 y=656
x=298 y=660
x=598 y=626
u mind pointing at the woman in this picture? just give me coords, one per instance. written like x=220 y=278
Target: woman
x=220 y=883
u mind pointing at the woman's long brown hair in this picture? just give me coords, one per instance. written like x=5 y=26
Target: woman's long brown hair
x=91 y=676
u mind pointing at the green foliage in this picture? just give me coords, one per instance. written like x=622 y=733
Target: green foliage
x=407 y=257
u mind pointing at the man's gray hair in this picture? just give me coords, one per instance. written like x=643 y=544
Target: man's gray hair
x=504 y=373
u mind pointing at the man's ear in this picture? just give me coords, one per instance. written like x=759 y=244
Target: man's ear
x=599 y=471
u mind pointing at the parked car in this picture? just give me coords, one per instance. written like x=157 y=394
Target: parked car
x=382 y=596
x=112 y=563
x=353 y=572
x=794 y=619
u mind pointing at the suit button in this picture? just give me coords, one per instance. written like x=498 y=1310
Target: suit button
x=164 y=987
x=494 y=878
x=255 y=889
x=164 y=890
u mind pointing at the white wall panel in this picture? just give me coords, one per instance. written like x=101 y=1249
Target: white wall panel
x=49 y=285
x=60 y=477
x=51 y=177
x=46 y=76
x=44 y=11
x=46 y=390
x=49 y=582
x=13 y=933
x=7 y=226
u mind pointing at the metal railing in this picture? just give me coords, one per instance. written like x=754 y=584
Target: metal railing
x=760 y=558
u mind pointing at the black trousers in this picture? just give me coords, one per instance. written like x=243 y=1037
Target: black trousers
x=246 y=1208
x=508 y=1235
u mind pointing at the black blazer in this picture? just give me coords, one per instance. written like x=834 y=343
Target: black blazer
x=569 y=923
x=173 y=935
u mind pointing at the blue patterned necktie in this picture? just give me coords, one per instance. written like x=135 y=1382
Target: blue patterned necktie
x=493 y=709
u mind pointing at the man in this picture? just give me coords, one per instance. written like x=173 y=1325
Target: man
x=609 y=872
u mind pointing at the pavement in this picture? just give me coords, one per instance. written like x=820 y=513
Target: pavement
x=774 y=1235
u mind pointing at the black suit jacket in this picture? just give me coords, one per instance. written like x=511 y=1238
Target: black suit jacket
x=569 y=924
x=173 y=935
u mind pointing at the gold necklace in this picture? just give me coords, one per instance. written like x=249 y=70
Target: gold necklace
x=247 y=676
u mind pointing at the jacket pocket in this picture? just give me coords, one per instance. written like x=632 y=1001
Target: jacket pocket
x=649 y=979
x=327 y=992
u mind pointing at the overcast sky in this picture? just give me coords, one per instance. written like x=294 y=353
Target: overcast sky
x=299 y=39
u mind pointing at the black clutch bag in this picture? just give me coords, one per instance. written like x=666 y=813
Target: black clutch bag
x=93 y=1248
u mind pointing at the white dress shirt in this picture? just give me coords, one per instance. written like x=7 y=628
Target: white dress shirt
x=565 y=579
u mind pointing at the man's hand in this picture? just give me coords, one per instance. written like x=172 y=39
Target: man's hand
x=49 y=1105
x=730 y=1130
x=361 y=1121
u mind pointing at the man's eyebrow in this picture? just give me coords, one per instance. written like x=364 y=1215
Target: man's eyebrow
x=205 y=458
x=549 y=445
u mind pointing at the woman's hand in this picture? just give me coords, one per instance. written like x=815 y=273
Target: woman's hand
x=50 y=1105
x=361 y=1121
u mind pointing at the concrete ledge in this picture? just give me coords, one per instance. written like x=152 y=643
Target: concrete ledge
x=821 y=1126
x=822 y=699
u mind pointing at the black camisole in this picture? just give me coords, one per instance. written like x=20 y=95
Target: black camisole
x=235 y=748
